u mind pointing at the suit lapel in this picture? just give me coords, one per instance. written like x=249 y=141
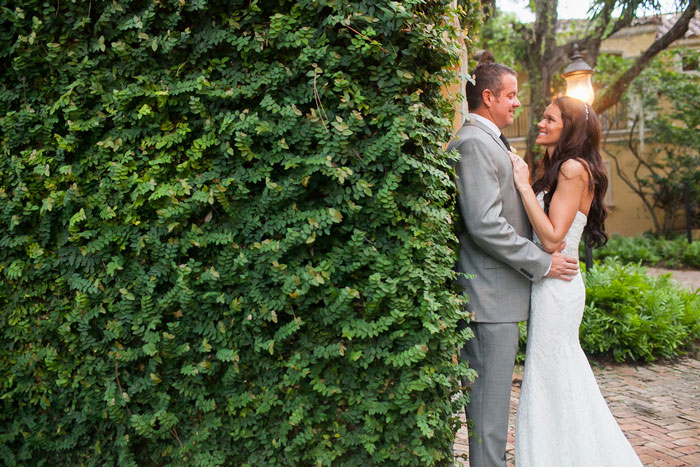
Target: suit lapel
x=488 y=131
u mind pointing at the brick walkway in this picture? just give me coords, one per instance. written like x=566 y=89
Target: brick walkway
x=657 y=406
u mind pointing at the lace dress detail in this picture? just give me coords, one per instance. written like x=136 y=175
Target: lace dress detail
x=562 y=418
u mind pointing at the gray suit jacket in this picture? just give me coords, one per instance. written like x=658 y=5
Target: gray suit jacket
x=494 y=238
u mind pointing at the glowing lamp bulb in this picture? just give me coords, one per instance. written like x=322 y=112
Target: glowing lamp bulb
x=578 y=78
x=579 y=86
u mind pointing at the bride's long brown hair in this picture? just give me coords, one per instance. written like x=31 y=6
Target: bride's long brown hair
x=580 y=140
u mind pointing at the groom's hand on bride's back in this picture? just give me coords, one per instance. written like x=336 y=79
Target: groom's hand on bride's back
x=563 y=267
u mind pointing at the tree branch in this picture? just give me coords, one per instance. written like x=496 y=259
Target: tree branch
x=614 y=92
x=592 y=41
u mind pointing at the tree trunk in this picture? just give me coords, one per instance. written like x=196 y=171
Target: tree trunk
x=541 y=62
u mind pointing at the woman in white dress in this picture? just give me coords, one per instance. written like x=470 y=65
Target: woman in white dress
x=562 y=418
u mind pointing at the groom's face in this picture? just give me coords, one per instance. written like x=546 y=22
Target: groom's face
x=501 y=107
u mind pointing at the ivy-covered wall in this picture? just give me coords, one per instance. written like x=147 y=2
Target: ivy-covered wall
x=225 y=233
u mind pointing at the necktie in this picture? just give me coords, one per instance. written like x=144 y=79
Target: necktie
x=505 y=141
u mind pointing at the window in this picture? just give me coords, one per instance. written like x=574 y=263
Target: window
x=690 y=63
x=687 y=60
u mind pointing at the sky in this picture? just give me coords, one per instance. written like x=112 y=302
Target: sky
x=567 y=8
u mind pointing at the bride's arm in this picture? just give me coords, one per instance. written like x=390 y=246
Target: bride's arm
x=571 y=186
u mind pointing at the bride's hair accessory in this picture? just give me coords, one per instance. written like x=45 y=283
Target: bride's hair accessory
x=586 y=107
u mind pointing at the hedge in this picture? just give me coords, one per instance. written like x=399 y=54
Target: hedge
x=631 y=316
x=226 y=233
x=652 y=251
x=636 y=317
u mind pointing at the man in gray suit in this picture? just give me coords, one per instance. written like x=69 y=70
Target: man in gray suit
x=495 y=247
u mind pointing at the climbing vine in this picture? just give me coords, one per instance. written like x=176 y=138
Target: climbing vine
x=226 y=233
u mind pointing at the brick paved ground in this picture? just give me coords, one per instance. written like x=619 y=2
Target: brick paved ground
x=657 y=406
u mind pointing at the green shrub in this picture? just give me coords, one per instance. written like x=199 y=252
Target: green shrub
x=522 y=343
x=635 y=316
x=652 y=251
x=225 y=233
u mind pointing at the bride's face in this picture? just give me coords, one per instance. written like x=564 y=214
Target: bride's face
x=550 y=128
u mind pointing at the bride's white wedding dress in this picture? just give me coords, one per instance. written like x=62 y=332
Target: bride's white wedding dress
x=562 y=418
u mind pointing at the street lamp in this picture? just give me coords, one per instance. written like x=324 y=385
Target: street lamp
x=578 y=85
x=578 y=78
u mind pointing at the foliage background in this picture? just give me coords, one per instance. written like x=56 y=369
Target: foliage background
x=652 y=251
x=632 y=316
x=226 y=233
x=636 y=317
x=663 y=138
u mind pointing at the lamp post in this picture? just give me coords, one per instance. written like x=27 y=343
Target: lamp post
x=578 y=78
x=578 y=85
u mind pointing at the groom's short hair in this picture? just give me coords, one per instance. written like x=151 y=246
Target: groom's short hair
x=486 y=76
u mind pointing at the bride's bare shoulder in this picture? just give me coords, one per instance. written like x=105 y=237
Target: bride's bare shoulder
x=574 y=168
